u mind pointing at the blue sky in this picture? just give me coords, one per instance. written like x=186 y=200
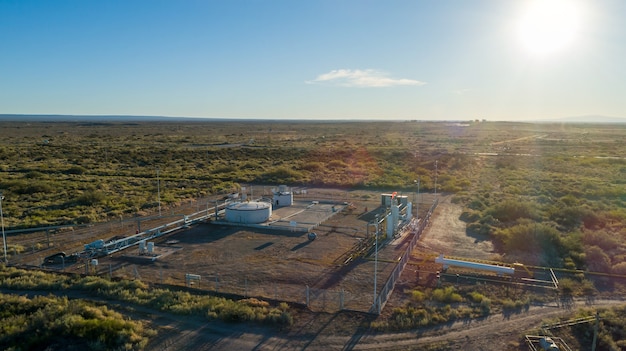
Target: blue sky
x=297 y=59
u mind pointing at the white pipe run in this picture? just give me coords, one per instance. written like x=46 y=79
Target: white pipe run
x=480 y=266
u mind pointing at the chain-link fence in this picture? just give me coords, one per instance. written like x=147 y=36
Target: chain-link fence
x=250 y=286
x=319 y=300
x=416 y=228
x=234 y=284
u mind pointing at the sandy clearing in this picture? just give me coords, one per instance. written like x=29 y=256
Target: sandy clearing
x=447 y=234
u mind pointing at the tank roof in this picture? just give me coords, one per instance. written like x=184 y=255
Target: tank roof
x=249 y=206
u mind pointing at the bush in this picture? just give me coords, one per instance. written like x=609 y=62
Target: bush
x=597 y=260
x=529 y=236
x=90 y=198
x=619 y=268
x=13 y=278
x=485 y=306
x=470 y=216
x=282 y=175
x=567 y=286
x=509 y=305
x=52 y=322
x=602 y=239
x=34 y=187
x=313 y=166
x=417 y=296
x=77 y=170
x=253 y=302
x=476 y=296
x=137 y=292
x=334 y=164
x=512 y=210
x=446 y=295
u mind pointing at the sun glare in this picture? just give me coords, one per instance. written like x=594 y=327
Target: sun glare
x=549 y=26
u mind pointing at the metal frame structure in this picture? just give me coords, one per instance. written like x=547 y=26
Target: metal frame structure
x=124 y=243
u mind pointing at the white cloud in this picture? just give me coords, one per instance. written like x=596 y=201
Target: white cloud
x=361 y=78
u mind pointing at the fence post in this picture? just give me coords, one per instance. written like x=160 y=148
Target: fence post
x=217 y=277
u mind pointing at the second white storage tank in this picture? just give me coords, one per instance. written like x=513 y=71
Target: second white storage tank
x=248 y=212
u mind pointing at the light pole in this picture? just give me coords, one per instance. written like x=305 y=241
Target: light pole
x=376 y=304
x=4 y=238
x=207 y=204
x=436 y=173
x=417 y=201
x=159 y=190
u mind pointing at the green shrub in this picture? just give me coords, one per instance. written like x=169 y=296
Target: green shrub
x=619 y=268
x=485 y=306
x=313 y=166
x=597 y=260
x=282 y=175
x=44 y=322
x=137 y=292
x=602 y=239
x=417 y=296
x=33 y=187
x=13 y=278
x=446 y=295
x=512 y=210
x=77 y=170
x=90 y=198
x=530 y=237
x=509 y=305
x=476 y=296
x=470 y=216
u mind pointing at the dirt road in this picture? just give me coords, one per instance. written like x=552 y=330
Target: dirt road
x=342 y=331
x=447 y=234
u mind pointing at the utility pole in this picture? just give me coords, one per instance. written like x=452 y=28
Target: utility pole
x=4 y=238
x=595 y=331
x=417 y=202
x=159 y=190
x=376 y=304
x=436 y=174
x=376 y=267
x=207 y=205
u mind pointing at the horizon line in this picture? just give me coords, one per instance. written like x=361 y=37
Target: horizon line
x=588 y=119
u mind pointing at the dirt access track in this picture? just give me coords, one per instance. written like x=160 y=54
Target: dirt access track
x=347 y=331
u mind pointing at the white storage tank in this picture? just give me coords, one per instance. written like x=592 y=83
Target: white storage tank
x=248 y=212
x=282 y=197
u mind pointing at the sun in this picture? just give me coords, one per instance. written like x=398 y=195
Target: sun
x=549 y=26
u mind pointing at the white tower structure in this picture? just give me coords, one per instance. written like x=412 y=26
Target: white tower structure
x=282 y=197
